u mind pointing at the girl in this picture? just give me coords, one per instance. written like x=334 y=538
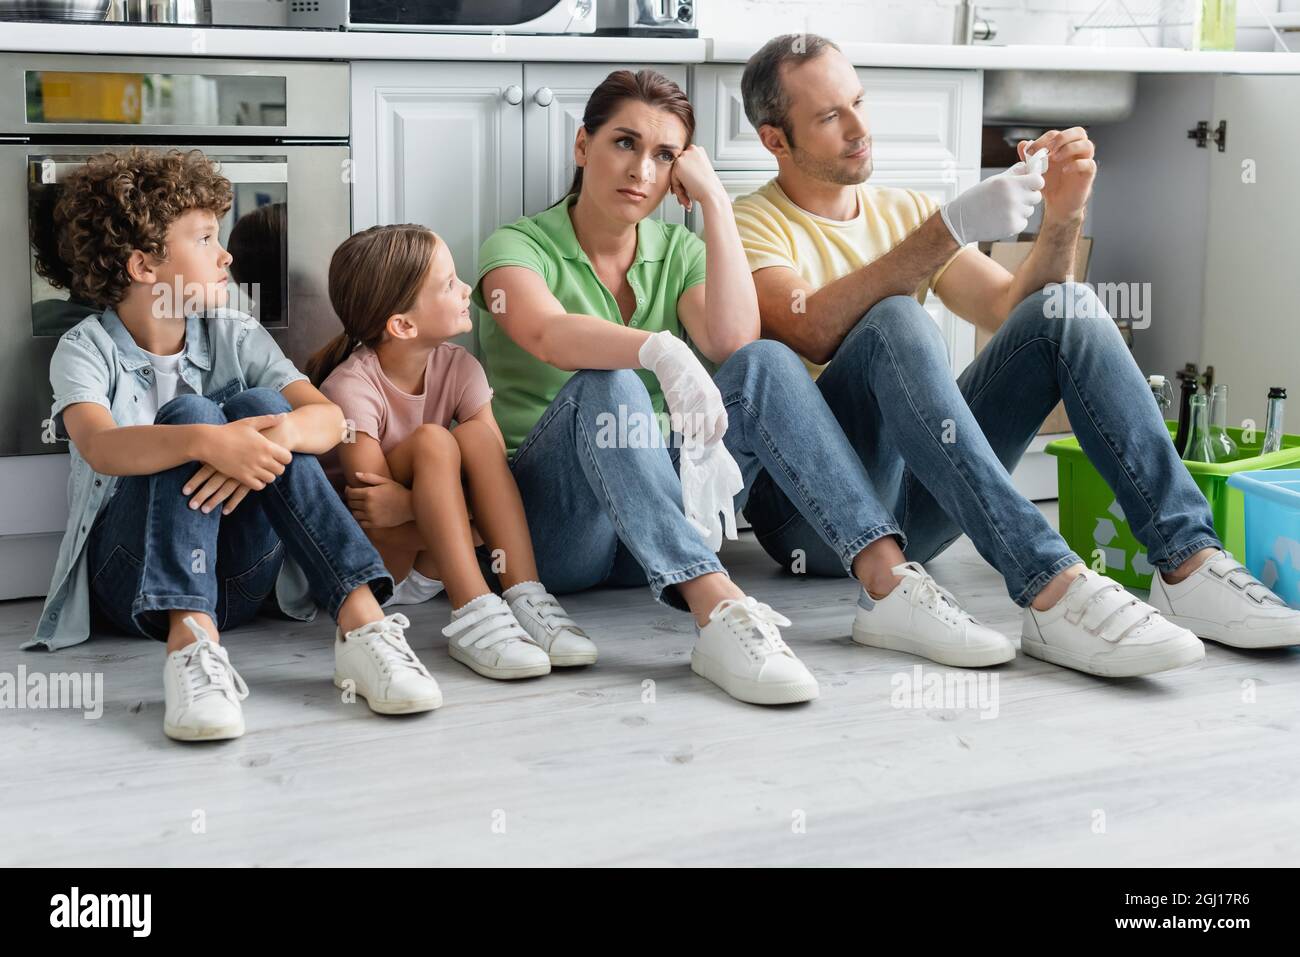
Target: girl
x=412 y=479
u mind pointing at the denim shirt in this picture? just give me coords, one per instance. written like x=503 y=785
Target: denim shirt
x=98 y=361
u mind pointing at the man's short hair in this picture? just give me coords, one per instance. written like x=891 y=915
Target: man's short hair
x=765 y=97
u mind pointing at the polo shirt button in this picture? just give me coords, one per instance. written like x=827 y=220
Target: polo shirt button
x=54 y=616
x=98 y=483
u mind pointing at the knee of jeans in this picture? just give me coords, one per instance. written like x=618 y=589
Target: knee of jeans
x=767 y=358
x=609 y=388
x=190 y=409
x=1072 y=310
x=253 y=402
x=902 y=322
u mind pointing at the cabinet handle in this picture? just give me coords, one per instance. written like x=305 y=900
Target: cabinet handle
x=543 y=96
x=514 y=95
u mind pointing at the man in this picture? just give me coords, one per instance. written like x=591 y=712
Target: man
x=840 y=268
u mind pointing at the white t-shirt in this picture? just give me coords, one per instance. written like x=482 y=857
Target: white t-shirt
x=167 y=382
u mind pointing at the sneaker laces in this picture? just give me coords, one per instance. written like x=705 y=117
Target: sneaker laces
x=390 y=643
x=755 y=625
x=486 y=626
x=1227 y=568
x=928 y=592
x=206 y=667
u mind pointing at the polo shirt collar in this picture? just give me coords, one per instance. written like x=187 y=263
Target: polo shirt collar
x=650 y=243
x=133 y=357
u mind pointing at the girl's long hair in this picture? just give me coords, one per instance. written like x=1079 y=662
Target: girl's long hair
x=374 y=274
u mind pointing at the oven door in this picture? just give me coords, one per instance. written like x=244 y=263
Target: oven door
x=291 y=209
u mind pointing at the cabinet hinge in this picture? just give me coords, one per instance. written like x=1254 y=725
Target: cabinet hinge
x=1203 y=135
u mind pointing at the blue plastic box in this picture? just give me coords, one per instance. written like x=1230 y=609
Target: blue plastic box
x=1272 y=512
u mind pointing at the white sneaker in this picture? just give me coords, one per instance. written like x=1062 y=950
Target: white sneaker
x=383 y=669
x=539 y=614
x=202 y=691
x=741 y=651
x=485 y=636
x=1099 y=628
x=1224 y=602
x=921 y=618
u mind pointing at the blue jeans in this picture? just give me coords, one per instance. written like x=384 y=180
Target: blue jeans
x=604 y=512
x=938 y=450
x=150 y=552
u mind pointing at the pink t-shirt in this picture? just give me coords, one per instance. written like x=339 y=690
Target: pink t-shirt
x=455 y=388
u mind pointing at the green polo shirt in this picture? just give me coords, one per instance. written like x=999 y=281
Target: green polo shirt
x=669 y=260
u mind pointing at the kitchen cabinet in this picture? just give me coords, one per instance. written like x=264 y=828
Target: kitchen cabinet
x=1209 y=237
x=1250 y=333
x=466 y=147
x=925 y=130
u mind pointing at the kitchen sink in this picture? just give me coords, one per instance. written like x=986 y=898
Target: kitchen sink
x=1057 y=97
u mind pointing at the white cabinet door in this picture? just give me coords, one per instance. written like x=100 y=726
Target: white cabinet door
x=555 y=96
x=1252 y=279
x=439 y=144
x=920 y=119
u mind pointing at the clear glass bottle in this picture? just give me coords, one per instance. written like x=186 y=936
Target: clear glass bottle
x=1162 y=392
x=1225 y=449
x=1273 y=424
x=1198 y=439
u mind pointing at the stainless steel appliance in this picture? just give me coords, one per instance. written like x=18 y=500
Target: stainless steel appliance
x=89 y=10
x=280 y=132
x=647 y=18
x=446 y=16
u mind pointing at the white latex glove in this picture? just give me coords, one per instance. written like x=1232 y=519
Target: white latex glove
x=694 y=403
x=710 y=480
x=999 y=206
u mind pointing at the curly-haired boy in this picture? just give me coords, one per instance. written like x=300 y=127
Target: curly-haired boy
x=193 y=444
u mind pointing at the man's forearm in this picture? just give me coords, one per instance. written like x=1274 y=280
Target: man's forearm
x=1050 y=261
x=834 y=309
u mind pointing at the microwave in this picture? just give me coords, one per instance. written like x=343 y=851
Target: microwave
x=446 y=16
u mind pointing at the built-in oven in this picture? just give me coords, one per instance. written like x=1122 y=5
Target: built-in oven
x=280 y=133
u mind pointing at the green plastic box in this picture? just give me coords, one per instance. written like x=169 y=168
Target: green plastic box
x=1093 y=524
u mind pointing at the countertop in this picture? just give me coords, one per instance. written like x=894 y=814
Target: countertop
x=360 y=45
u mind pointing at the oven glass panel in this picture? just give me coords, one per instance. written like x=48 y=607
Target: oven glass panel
x=154 y=99
x=255 y=231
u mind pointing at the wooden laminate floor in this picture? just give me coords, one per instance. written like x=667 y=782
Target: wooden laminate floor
x=638 y=761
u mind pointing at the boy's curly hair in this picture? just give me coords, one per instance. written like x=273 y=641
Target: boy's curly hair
x=116 y=204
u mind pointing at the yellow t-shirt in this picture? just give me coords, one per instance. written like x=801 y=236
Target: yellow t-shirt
x=776 y=232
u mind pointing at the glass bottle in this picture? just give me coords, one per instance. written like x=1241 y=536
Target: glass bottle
x=1225 y=450
x=1162 y=392
x=1187 y=381
x=1273 y=424
x=1198 y=441
x=1217 y=29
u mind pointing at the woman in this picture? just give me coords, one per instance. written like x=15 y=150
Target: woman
x=594 y=284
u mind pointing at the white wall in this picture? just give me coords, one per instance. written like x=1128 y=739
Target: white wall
x=931 y=21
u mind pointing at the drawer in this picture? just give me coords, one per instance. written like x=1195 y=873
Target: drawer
x=920 y=119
